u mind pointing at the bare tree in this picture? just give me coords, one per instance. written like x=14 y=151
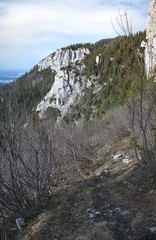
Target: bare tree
x=27 y=170
x=75 y=150
x=140 y=101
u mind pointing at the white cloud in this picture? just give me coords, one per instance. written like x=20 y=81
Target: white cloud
x=42 y=25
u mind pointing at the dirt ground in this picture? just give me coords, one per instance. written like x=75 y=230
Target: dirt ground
x=116 y=202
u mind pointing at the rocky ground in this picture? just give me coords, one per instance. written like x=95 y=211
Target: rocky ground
x=116 y=202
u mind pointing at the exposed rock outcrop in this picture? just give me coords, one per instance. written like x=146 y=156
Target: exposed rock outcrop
x=69 y=79
x=20 y=223
x=62 y=58
x=150 y=52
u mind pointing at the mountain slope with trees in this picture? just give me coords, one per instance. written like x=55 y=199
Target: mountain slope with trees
x=86 y=176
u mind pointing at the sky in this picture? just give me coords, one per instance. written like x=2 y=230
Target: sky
x=30 y=30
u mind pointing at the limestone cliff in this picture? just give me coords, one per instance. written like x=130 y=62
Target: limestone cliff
x=150 y=52
x=86 y=79
x=69 y=79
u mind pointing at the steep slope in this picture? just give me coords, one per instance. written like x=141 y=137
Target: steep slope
x=116 y=201
x=75 y=181
x=69 y=79
x=84 y=75
x=150 y=55
x=78 y=82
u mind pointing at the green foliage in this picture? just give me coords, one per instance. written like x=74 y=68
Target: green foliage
x=79 y=45
x=23 y=95
x=116 y=74
x=53 y=112
x=88 y=103
x=116 y=71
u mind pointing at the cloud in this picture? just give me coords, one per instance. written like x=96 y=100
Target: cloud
x=42 y=25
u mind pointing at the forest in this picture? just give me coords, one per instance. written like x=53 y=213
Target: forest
x=47 y=169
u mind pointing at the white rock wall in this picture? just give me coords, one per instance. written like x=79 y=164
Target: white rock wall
x=150 y=51
x=69 y=79
x=62 y=58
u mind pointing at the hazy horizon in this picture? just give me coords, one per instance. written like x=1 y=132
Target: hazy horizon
x=31 y=30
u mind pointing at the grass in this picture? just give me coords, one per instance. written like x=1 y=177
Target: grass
x=124 y=198
x=126 y=189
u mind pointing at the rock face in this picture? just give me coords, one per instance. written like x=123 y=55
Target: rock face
x=150 y=52
x=69 y=79
x=20 y=223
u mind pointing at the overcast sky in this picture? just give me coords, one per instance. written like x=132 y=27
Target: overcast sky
x=32 y=29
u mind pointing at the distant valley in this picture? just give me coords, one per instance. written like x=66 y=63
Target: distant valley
x=8 y=76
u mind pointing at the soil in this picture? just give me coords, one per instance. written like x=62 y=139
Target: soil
x=117 y=202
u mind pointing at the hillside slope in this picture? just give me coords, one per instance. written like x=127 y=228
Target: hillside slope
x=92 y=176
x=78 y=82
x=115 y=202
